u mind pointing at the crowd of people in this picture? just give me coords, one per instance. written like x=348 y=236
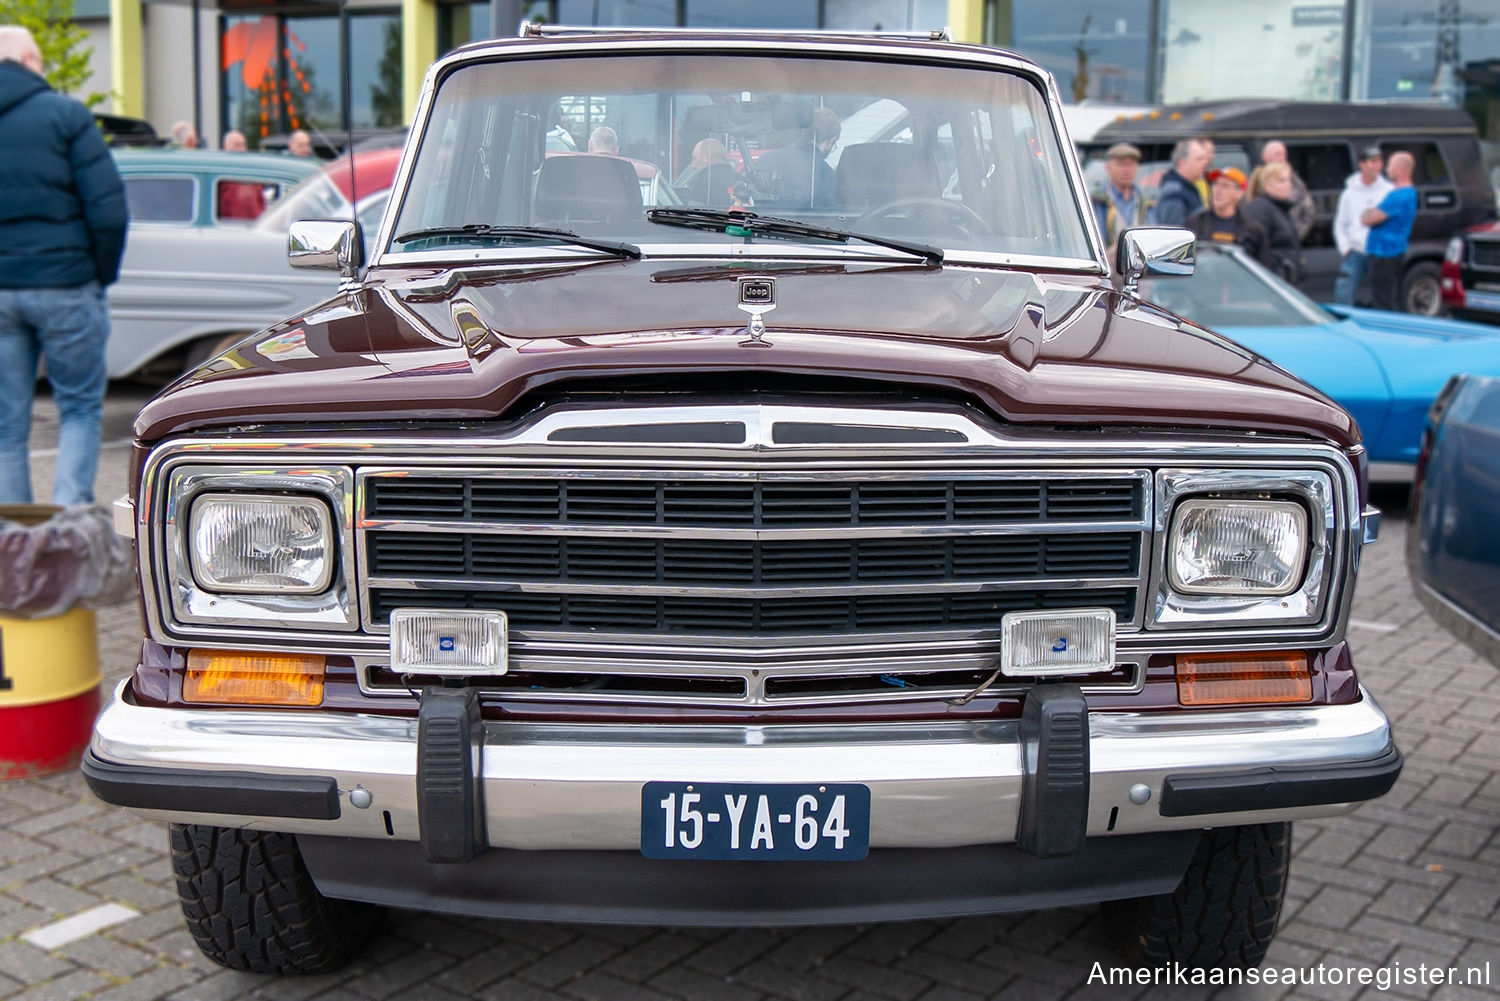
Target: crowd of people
x=1270 y=212
x=184 y=136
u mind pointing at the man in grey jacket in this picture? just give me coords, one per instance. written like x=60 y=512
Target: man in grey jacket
x=1363 y=190
x=62 y=231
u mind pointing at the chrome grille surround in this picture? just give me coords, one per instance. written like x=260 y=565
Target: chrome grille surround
x=981 y=450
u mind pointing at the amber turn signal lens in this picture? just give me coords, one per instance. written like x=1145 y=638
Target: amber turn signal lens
x=243 y=677
x=1222 y=679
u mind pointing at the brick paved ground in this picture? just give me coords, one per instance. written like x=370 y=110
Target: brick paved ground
x=1411 y=878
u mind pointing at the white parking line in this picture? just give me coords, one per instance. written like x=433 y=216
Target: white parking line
x=51 y=453
x=80 y=925
x=1374 y=627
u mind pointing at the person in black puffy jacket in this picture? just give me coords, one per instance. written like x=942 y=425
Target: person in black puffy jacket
x=1270 y=206
x=62 y=232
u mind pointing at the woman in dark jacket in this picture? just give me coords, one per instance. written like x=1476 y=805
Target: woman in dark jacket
x=1270 y=207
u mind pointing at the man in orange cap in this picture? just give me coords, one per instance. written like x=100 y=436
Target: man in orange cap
x=1222 y=221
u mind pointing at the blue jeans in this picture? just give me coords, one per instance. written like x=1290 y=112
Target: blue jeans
x=1351 y=273
x=67 y=327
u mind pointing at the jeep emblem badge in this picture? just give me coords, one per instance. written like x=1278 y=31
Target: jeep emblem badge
x=757 y=297
x=758 y=292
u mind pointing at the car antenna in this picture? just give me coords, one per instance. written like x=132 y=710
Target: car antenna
x=346 y=83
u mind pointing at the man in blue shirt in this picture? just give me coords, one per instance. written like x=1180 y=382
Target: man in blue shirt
x=1390 y=229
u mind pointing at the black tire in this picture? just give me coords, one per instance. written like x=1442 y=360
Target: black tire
x=1223 y=913
x=251 y=904
x=1422 y=289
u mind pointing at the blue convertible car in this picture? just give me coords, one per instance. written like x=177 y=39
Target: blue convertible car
x=1384 y=368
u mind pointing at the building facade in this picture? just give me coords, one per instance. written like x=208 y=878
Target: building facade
x=269 y=67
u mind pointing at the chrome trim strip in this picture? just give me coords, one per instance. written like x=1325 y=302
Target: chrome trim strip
x=933 y=784
x=936 y=530
x=755 y=679
x=1059 y=583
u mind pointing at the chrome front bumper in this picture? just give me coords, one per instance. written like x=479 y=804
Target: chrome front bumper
x=578 y=787
x=575 y=786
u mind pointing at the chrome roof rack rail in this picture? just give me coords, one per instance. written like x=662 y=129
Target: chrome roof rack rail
x=535 y=29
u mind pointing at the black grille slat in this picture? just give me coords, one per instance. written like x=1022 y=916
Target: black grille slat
x=733 y=562
x=743 y=616
x=763 y=504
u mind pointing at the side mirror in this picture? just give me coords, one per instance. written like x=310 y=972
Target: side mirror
x=1155 y=252
x=326 y=244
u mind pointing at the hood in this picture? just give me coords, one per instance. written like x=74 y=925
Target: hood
x=17 y=83
x=468 y=345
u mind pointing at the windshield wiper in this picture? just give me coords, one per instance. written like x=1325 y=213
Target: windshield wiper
x=749 y=222
x=483 y=230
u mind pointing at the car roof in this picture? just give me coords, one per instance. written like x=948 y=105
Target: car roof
x=566 y=38
x=1288 y=119
x=212 y=162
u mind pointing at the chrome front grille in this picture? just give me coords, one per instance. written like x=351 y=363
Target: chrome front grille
x=757 y=584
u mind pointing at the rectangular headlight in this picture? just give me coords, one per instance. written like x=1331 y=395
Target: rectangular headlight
x=244 y=544
x=1237 y=547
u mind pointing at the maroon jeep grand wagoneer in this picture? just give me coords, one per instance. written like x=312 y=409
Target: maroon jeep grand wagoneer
x=832 y=536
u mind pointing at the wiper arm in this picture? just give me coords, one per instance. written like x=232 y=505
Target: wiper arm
x=524 y=233
x=749 y=222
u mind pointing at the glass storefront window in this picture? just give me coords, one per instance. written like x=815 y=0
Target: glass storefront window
x=1409 y=49
x=1099 y=50
x=282 y=72
x=884 y=15
x=1289 y=49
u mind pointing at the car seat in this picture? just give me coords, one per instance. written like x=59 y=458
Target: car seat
x=587 y=187
x=875 y=174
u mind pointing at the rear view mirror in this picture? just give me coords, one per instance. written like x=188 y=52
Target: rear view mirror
x=1155 y=252
x=326 y=244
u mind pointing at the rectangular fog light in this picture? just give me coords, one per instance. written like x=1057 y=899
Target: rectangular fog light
x=1075 y=641
x=452 y=644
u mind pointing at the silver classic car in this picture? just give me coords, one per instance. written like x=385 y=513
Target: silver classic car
x=844 y=544
x=205 y=260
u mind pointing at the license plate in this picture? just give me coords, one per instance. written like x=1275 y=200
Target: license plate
x=1482 y=300
x=742 y=822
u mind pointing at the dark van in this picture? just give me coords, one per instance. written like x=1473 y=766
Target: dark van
x=1321 y=139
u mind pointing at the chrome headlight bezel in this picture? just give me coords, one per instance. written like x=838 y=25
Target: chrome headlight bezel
x=1305 y=604
x=189 y=607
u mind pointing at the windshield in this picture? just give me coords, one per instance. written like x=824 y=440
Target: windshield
x=314 y=198
x=962 y=159
x=1229 y=290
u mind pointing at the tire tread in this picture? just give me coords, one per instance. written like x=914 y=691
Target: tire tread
x=1223 y=913
x=251 y=904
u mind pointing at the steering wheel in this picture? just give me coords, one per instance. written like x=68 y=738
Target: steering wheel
x=925 y=216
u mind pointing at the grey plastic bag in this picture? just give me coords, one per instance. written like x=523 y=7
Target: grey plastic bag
x=53 y=558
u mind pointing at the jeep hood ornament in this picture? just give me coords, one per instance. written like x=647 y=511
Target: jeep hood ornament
x=757 y=297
